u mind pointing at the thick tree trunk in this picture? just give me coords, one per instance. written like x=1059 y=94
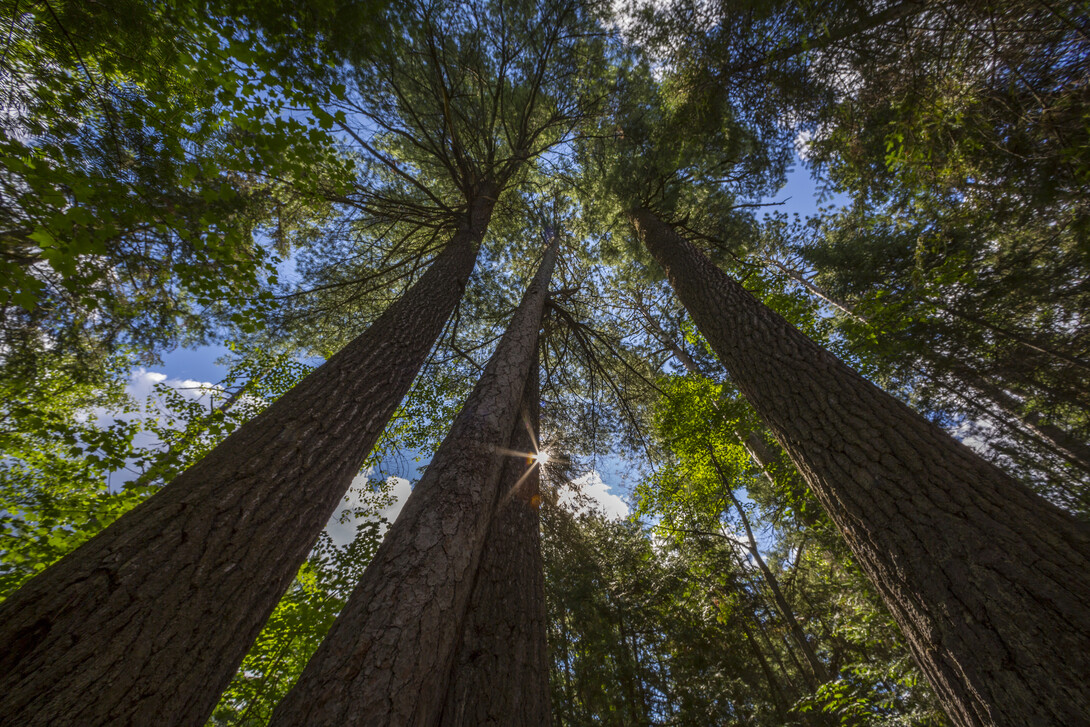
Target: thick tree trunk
x=387 y=660
x=989 y=583
x=501 y=672
x=149 y=620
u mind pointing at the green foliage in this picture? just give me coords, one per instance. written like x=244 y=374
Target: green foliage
x=146 y=149
x=700 y=427
x=70 y=450
x=302 y=617
x=56 y=467
x=160 y=162
x=628 y=632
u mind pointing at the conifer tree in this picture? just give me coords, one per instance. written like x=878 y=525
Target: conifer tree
x=154 y=614
x=500 y=675
x=388 y=658
x=986 y=579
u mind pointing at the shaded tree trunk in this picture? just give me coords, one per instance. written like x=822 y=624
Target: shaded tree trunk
x=987 y=580
x=817 y=668
x=760 y=453
x=152 y=616
x=779 y=702
x=387 y=659
x=501 y=671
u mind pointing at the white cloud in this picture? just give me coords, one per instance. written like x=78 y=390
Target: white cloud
x=142 y=384
x=593 y=487
x=587 y=493
x=802 y=144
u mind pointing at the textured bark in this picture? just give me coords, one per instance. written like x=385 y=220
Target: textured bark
x=387 y=660
x=989 y=583
x=150 y=619
x=501 y=672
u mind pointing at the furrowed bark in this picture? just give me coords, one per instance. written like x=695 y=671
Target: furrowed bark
x=501 y=672
x=149 y=620
x=989 y=582
x=388 y=658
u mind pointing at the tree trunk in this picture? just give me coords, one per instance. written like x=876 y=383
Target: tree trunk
x=817 y=668
x=387 y=659
x=797 y=277
x=779 y=702
x=150 y=619
x=987 y=580
x=501 y=672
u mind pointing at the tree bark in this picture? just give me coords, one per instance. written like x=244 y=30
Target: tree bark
x=150 y=619
x=988 y=581
x=387 y=659
x=501 y=671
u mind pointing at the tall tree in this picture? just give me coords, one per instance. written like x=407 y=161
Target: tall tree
x=388 y=657
x=469 y=93
x=985 y=578
x=500 y=675
x=491 y=122
x=954 y=130
x=167 y=600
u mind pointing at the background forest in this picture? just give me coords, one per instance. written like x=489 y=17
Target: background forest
x=273 y=183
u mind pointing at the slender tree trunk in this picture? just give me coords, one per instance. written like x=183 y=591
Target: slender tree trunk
x=501 y=672
x=774 y=654
x=665 y=338
x=787 y=613
x=798 y=277
x=760 y=453
x=149 y=620
x=387 y=659
x=1013 y=336
x=988 y=581
x=628 y=656
x=779 y=702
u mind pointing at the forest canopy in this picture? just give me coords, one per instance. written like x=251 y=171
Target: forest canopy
x=507 y=254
